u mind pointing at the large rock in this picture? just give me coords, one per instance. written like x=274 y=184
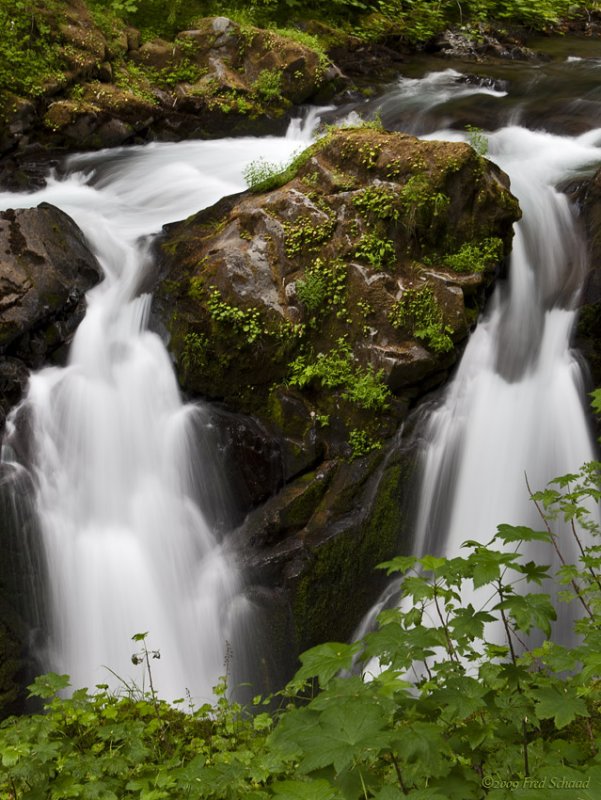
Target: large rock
x=586 y=194
x=325 y=303
x=45 y=270
x=217 y=79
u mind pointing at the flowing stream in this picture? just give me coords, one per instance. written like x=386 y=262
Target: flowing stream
x=118 y=487
x=118 y=484
x=515 y=411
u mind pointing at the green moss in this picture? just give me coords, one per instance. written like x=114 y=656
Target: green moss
x=419 y=313
x=340 y=582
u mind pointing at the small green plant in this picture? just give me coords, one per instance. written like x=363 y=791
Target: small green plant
x=323 y=289
x=378 y=252
x=362 y=443
x=419 y=313
x=420 y=201
x=305 y=235
x=377 y=201
x=337 y=369
x=244 y=321
x=477 y=139
x=268 y=85
x=195 y=352
x=476 y=257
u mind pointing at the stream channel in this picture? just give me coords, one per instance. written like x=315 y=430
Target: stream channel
x=111 y=464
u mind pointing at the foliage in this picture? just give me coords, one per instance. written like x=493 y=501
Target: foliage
x=476 y=256
x=268 y=84
x=378 y=252
x=419 y=313
x=477 y=139
x=323 y=289
x=362 y=443
x=377 y=201
x=245 y=321
x=29 y=58
x=421 y=202
x=473 y=698
x=337 y=369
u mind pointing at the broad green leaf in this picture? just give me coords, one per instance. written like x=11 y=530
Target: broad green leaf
x=48 y=685
x=470 y=623
x=521 y=533
x=398 y=564
x=560 y=704
x=325 y=661
x=530 y=611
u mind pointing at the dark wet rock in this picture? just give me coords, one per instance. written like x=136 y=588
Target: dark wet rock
x=488 y=44
x=45 y=269
x=356 y=221
x=586 y=193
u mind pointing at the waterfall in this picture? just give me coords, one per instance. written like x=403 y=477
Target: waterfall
x=515 y=407
x=515 y=410
x=118 y=461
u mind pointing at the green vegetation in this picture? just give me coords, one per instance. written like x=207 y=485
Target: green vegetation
x=456 y=712
x=323 y=289
x=246 y=322
x=378 y=252
x=304 y=234
x=476 y=257
x=29 y=58
x=377 y=201
x=337 y=369
x=477 y=139
x=420 y=202
x=419 y=313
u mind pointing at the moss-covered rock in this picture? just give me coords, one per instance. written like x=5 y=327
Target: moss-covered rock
x=349 y=288
x=324 y=302
x=94 y=84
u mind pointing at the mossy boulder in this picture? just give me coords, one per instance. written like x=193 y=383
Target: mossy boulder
x=94 y=84
x=351 y=287
x=325 y=302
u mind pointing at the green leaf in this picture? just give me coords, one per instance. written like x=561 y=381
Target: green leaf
x=398 y=564
x=520 y=533
x=305 y=790
x=530 y=611
x=561 y=704
x=324 y=662
x=470 y=623
x=48 y=685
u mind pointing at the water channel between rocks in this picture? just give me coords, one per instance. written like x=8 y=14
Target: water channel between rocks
x=120 y=494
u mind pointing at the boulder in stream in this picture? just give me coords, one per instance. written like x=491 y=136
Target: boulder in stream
x=325 y=302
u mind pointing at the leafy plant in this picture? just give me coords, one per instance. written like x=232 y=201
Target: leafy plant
x=465 y=703
x=337 y=369
x=419 y=313
x=378 y=252
x=323 y=289
x=476 y=256
x=477 y=139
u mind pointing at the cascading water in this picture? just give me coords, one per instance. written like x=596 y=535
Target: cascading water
x=127 y=545
x=515 y=407
x=514 y=412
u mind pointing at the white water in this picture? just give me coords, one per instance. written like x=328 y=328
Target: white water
x=127 y=545
x=515 y=407
x=515 y=410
